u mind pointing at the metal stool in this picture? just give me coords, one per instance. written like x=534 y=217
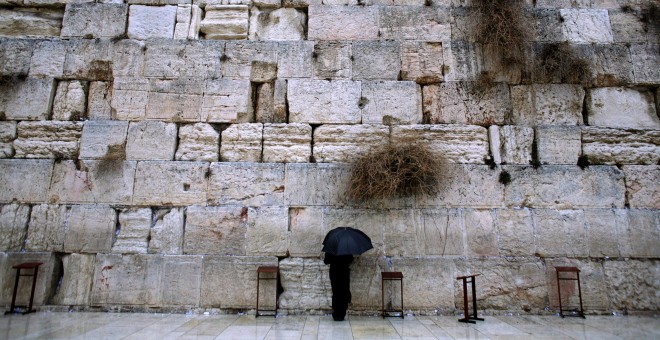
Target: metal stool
x=390 y=276
x=575 y=270
x=18 y=267
x=467 y=317
x=268 y=270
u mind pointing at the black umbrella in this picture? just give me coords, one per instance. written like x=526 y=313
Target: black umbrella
x=346 y=241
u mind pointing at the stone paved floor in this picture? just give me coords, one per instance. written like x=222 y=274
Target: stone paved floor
x=54 y=325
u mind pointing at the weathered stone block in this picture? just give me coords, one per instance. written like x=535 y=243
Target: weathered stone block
x=421 y=62
x=547 y=25
x=47 y=228
x=279 y=24
x=344 y=143
x=241 y=57
x=104 y=140
x=619 y=107
x=133 y=237
x=333 y=60
x=306 y=284
x=148 y=22
x=127 y=57
x=265 y=112
x=515 y=232
x=343 y=23
x=612 y=146
x=305 y=229
x=45 y=283
x=263 y=72
x=24 y=180
x=228 y=281
x=322 y=102
x=182 y=275
x=225 y=22
x=391 y=102
x=248 y=184
x=558 y=144
x=48 y=58
x=626 y=27
x=127 y=279
x=242 y=143
x=227 y=101
x=75 y=288
x=109 y=182
x=167 y=233
x=433 y=283
x=70 y=100
x=563 y=187
x=632 y=284
x=174 y=59
x=644 y=57
x=98 y=20
x=151 y=140
x=584 y=26
x=198 y=142
x=13 y=226
x=315 y=184
x=178 y=100
x=175 y=183
x=642 y=190
x=613 y=65
x=48 y=139
x=129 y=98
x=376 y=60
x=7 y=136
x=593 y=284
x=560 y=233
x=466 y=103
x=515 y=144
x=90 y=229
x=89 y=59
x=294 y=59
x=481 y=233
x=216 y=230
x=558 y=104
x=430 y=232
x=462 y=61
x=16 y=54
x=287 y=143
x=474 y=186
x=452 y=143
x=31 y=22
x=605 y=231
x=504 y=283
x=28 y=99
x=639 y=235
x=427 y=23
x=267 y=231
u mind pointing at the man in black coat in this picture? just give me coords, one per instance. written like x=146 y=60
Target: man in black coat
x=340 y=280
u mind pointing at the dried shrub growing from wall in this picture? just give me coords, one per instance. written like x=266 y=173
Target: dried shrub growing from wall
x=394 y=171
x=561 y=63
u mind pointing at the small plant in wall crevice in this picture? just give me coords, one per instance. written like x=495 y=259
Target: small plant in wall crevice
x=505 y=177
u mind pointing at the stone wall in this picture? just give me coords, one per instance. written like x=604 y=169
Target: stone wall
x=155 y=153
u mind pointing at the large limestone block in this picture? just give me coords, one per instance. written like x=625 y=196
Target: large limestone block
x=626 y=26
x=241 y=57
x=515 y=232
x=108 y=182
x=267 y=231
x=182 y=277
x=89 y=59
x=645 y=58
x=48 y=139
x=227 y=101
x=429 y=282
x=391 y=102
x=315 y=184
x=198 y=142
x=95 y=20
x=216 y=230
x=287 y=143
x=482 y=238
x=538 y=104
x=560 y=233
x=558 y=144
x=306 y=284
x=148 y=22
x=48 y=58
x=225 y=22
x=376 y=60
x=421 y=62
x=425 y=23
x=619 y=107
x=47 y=228
x=450 y=143
x=346 y=143
x=45 y=283
x=333 y=60
x=343 y=23
x=265 y=104
x=249 y=184
x=632 y=284
x=565 y=187
x=294 y=59
x=585 y=26
x=640 y=235
x=606 y=231
x=279 y=24
x=127 y=279
x=466 y=103
x=324 y=102
x=642 y=189
x=103 y=139
x=127 y=57
x=306 y=227
x=242 y=143
x=90 y=229
x=7 y=136
x=133 y=237
x=129 y=98
x=263 y=72
x=613 y=65
x=593 y=284
x=229 y=281
x=70 y=100
x=463 y=185
x=75 y=287
x=170 y=183
x=31 y=22
x=462 y=60
x=24 y=180
x=166 y=236
x=16 y=55
x=174 y=59
x=515 y=144
x=151 y=140
x=178 y=100
x=13 y=226
x=613 y=146
x=26 y=99
x=517 y=283
x=430 y=232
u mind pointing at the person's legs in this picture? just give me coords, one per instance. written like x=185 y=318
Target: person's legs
x=339 y=280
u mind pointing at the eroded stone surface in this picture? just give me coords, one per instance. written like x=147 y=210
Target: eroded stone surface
x=642 y=190
x=48 y=58
x=104 y=20
x=376 y=60
x=558 y=144
x=127 y=279
x=451 y=143
x=592 y=279
x=133 y=237
x=24 y=180
x=558 y=104
x=242 y=143
x=146 y=22
x=250 y=184
x=306 y=284
x=31 y=22
x=104 y=140
x=28 y=99
x=182 y=275
x=583 y=26
x=151 y=140
x=216 y=230
x=47 y=228
x=631 y=285
x=74 y=290
x=466 y=103
x=515 y=232
x=227 y=101
x=391 y=103
x=70 y=100
x=421 y=62
x=346 y=143
x=198 y=142
x=13 y=226
x=333 y=60
x=342 y=23
x=7 y=136
x=560 y=233
x=175 y=183
x=639 y=233
x=614 y=146
x=225 y=22
x=618 y=107
x=644 y=56
x=515 y=144
x=48 y=139
x=279 y=24
x=166 y=235
x=481 y=233
x=287 y=143
x=267 y=231
x=424 y=23
x=321 y=101
x=90 y=229
x=109 y=182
